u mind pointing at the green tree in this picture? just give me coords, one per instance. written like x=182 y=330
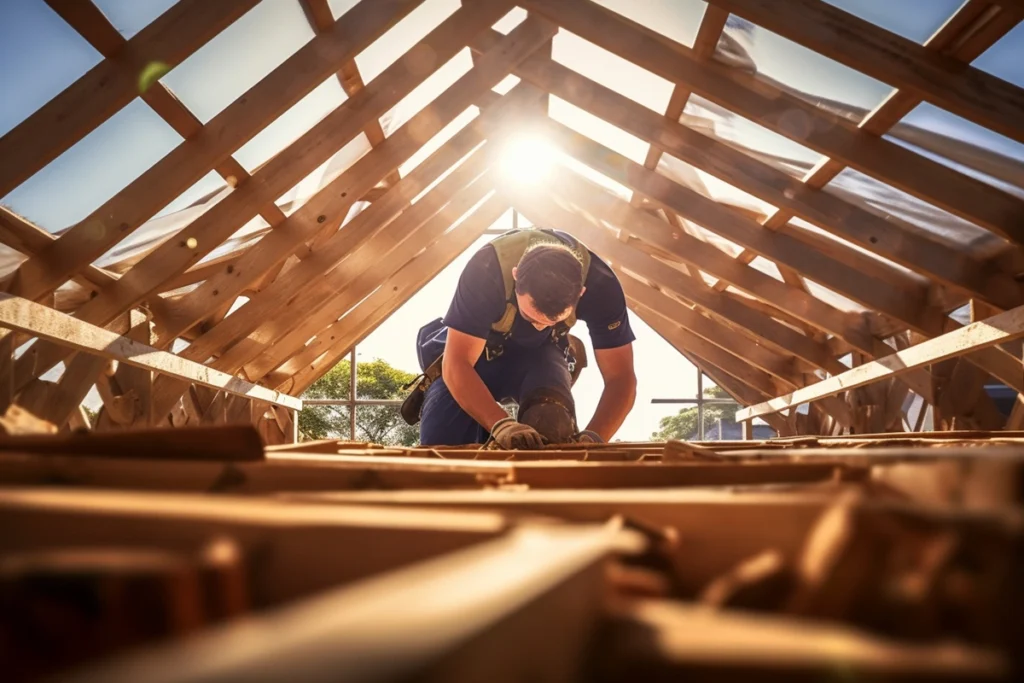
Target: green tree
x=683 y=425
x=376 y=379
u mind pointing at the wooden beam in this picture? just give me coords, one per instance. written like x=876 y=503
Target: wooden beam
x=141 y=199
x=297 y=325
x=331 y=204
x=685 y=340
x=782 y=338
x=335 y=341
x=28 y=238
x=680 y=334
x=966 y=35
x=321 y=19
x=577 y=194
x=90 y=22
x=996 y=330
x=828 y=134
x=38 y=320
x=885 y=238
x=695 y=324
x=314 y=147
x=847 y=280
x=493 y=588
x=737 y=388
x=353 y=287
x=110 y=85
x=900 y=62
x=708 y=34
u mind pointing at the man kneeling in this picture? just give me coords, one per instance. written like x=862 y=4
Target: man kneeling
x=505 y=337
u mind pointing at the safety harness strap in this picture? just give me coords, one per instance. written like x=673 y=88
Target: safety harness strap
x=510 y=248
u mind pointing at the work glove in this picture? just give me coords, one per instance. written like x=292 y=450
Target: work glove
x=587 y=436
x=510 y=434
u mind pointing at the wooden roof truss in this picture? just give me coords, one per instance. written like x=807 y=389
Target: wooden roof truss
x=314 y=290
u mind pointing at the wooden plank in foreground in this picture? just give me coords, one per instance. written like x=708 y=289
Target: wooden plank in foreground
x=980 y=335
x=38 y=320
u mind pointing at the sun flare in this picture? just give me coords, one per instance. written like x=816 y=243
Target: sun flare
x=527 y=159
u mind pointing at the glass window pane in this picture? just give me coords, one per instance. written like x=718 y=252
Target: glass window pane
x=963 y=146
x=803 y=72
x=720 y=422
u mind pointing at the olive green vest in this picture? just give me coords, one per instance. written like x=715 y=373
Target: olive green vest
x=510 y=248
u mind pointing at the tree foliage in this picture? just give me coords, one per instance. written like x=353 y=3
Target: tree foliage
x=376 y=379
x=683 y=425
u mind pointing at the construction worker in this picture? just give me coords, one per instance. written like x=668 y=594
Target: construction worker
x=505 y=337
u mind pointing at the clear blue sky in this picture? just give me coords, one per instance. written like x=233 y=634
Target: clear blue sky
x=40 y=55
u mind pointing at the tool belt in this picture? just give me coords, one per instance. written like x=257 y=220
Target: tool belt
x=412 y=406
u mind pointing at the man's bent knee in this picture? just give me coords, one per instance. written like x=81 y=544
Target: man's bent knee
x=551 y=413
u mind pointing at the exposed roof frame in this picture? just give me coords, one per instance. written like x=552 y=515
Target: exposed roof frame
x=282 y=172
x=110 y=85
x=967 y=34
x=885 y=238
x=337 y=339
x=240 y=121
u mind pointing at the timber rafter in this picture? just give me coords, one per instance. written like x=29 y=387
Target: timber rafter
x=330 y=270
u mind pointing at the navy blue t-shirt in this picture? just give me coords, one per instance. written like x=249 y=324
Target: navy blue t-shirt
x=479 y=302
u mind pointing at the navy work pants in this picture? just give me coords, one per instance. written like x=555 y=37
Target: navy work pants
x=513 y=375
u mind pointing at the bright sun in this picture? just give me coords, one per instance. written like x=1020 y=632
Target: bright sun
x=527 y=159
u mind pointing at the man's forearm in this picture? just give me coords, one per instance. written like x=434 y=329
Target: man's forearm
x=616 y=401
x=472 y=395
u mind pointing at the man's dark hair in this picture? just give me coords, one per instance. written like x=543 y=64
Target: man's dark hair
x=552 y=276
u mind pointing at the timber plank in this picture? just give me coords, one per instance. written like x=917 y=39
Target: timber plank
x=996 y=330
x=353 y=285
x=36 y=319
x=772 y=363
x=780 y=248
